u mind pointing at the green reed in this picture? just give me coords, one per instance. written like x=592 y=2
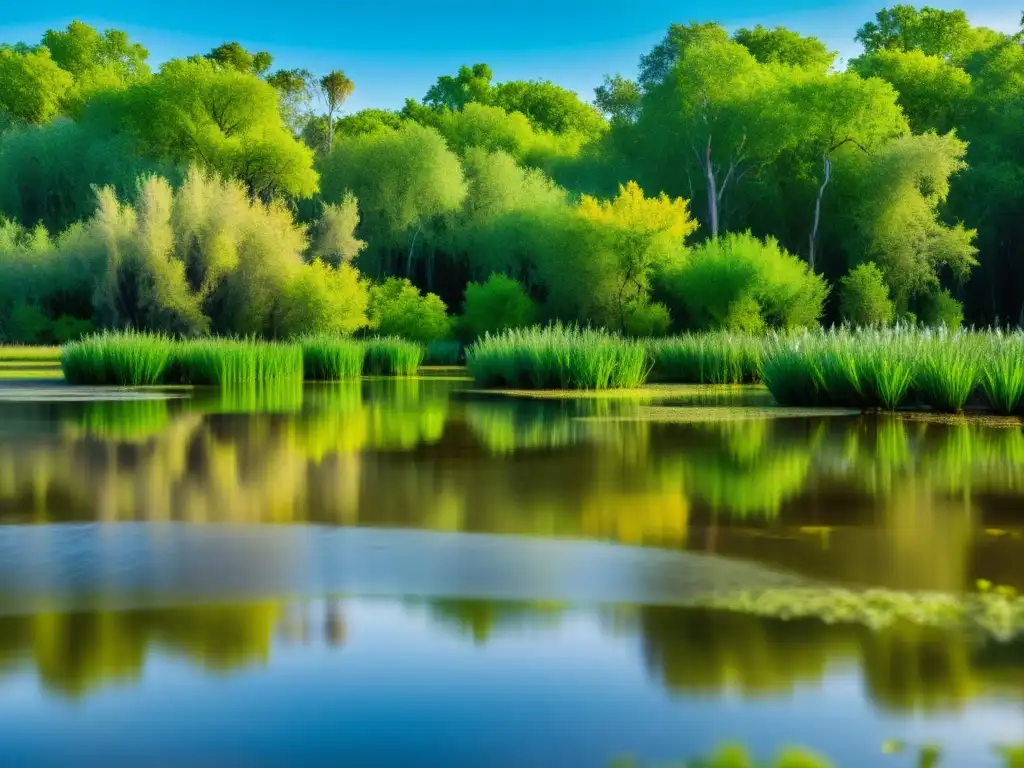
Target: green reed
x=331 y=358
x=558 y=357
x=121 y=358
x=948 y=368
x=234 y=362
x=1002 y=377
x=392 y=356
x=443 y=353
x=718 y=357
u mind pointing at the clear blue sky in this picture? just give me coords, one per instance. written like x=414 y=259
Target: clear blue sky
x=397 y=48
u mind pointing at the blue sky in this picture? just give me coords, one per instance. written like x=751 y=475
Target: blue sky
x=397 y=49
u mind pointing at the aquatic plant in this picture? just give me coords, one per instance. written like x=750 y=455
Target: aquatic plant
x=331 y=358
x=123 y=358
x=1002 y=377
x=947 y=369
x=441 y=352
x=392 y=356
x=718 y=357
x=558 y=357
x=234 y=362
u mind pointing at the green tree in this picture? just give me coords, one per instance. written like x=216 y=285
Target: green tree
x=324 y=299
x=97 y=61
x=336 y=87
x=471 y=84
x=784 y=46
x=222 y=119
x=932 y=31
x=295 y=94
x=548 y=106
x=405 y=181
x=32 y=85
x=234 y=56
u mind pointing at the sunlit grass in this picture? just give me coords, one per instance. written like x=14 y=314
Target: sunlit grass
x=391 y=356
x=331 y=358
x=707 y=358
x=124 y=358
x=558 y=357
x=234 y=362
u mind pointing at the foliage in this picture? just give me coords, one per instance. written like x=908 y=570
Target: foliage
x=739 y=282
x=642 y=318
x=224 y=120
x=397 y=308
x=324 y=299
x=783 y=46
x=864 y=297
x=126 y=358
x=495 y=305
x=32 y=85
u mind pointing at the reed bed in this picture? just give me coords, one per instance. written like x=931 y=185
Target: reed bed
x=234 y=362
x=558 y=357
x=122 y=358
x=706 y=358
x=392 y=356
x=331 y=358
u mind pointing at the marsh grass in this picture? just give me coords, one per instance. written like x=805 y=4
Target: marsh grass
x=392 y=356
x=122 y=358
x=707 y=358
x=234 y=362
x=331 y=358
x=948 y=368
x=445 y=353
x=1002 y=377
x=558 y=357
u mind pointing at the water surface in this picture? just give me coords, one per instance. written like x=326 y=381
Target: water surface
x=400 y=572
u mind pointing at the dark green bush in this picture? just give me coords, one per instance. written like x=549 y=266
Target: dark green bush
x=495 y=305
x=864 y=297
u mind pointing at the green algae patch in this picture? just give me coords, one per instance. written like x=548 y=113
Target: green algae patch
x=711 y=414
x=647 y=392
x=997 y=612
x=980 y=418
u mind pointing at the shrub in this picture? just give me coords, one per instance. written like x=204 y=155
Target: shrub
x=494 y=306
x=323 y=299
x=864 y=297
x=398 y=309
x=742 y=283
x=941 y=309
x=646 y=319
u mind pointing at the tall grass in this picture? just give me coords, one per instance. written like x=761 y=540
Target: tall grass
x=558 y=357
x=948 y=369
x=1002 y=376
x=124 y=358
x=234 y=362
x=718 y=357
x=392 y=356
x=331 y=358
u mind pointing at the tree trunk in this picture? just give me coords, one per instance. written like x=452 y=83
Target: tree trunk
x=412 y=247
x=817 y=208
x=330 y=128
x=709 y=171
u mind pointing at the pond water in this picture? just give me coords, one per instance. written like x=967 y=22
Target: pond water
x=397 y=572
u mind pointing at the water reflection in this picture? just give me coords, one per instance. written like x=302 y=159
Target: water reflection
x=688 y=652
x=880 y=500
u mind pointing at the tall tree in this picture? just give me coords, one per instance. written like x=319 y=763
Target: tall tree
x=784 y=46
x=235 y=56
x=336 y=87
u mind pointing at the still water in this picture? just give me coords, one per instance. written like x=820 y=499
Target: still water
x=402 y=572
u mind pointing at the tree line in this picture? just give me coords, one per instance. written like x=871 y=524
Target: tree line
x=739 y=180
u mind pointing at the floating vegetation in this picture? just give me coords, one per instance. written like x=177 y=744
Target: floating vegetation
x=996 y=612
